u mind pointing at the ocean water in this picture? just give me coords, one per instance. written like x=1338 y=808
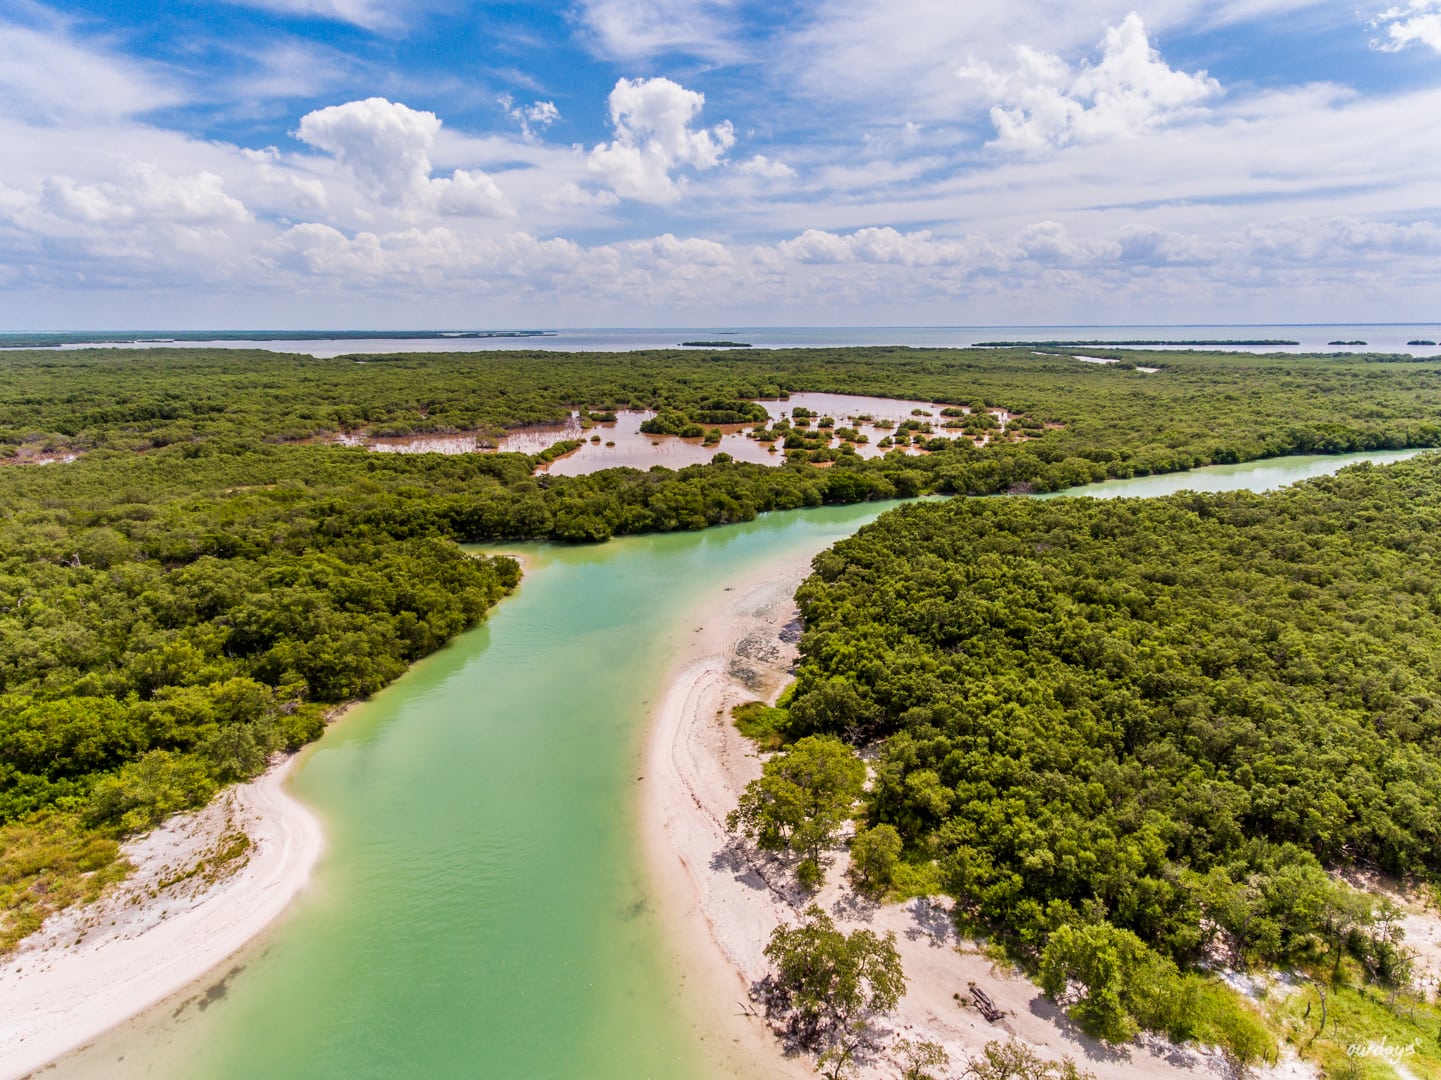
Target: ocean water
x=1379 y=337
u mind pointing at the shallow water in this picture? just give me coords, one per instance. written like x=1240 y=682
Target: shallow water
x=1264 y=475
x=1380 y=337
x=481 y=909
x=623 y=443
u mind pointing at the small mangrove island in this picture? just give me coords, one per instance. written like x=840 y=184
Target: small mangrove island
x=1135 y=343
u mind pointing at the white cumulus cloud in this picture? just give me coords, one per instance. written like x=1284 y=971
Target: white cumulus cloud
x=881 y=246
x=1300 y=240
x=320 y=249
x=1050 y=243
x=1418 y=21
x=306 y=194
x=767 y=168
x=435 y=256
x=674 y=251
x=384 y=144
x=1043 y=102
x=653 y=135
x=531 y=118
x=468 y=192
x=571 y=194
x=144 y=193
x=386 y=147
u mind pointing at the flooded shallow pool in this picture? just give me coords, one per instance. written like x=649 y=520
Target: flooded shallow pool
x=874 y=420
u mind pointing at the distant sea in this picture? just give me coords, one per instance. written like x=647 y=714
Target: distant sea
x=1378 y=337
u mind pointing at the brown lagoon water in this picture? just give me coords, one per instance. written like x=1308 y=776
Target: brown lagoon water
x=609 y=446
x=482 y=909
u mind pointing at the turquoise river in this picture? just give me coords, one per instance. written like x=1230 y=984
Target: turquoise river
x=481 y=908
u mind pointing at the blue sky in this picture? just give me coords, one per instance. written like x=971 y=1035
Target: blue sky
x=321 y=163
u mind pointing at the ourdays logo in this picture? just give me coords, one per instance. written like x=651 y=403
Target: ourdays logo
x=1383 y=1050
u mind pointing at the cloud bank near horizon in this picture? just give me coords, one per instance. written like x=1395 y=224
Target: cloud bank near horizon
x=319 y=162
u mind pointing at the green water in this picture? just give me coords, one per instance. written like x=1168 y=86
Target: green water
x=481 y=909
x=1251 y=476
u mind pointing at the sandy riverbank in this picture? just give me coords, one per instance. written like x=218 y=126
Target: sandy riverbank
x=185 y=909
x=720 y=902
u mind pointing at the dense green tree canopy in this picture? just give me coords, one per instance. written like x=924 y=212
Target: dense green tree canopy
x=1095 y=420
x=212 y=572
x=802 y=798
x=875 y=854
x=1151 y=719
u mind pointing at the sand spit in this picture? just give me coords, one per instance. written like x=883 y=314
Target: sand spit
x=199 y=893
x=721 y=901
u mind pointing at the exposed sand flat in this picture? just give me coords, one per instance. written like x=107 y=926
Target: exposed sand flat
x=184 y=911
x=694 y=761
x=721 y=902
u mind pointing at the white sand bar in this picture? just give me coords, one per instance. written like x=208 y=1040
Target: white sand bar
x=91 y=968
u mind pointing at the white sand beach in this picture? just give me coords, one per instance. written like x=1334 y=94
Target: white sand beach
x=184 y=910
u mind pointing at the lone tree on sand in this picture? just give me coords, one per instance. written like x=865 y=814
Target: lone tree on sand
x=801 y=800
x=874 y=856
x=828 y=987
x=1014 y=1060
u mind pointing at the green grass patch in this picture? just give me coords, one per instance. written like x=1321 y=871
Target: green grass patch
x=1207 y=1012
x=1367 y=1032
x=48 y=863
x=912 y=879
x=766 y=724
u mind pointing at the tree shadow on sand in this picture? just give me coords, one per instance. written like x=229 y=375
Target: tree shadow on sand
x=756 y=870
x=855 y=906
x=931 y=919
x=1093 y=1049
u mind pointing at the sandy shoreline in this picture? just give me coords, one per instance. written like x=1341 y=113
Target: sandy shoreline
x=182 y=912
x=719 y=903
x=692 y=766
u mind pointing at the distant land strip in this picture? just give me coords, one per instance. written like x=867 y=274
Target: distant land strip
x=166 y=337
x=1092 y=344
x=715 y=344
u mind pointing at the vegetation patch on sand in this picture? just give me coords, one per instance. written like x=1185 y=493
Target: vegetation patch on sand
x=47 y=864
